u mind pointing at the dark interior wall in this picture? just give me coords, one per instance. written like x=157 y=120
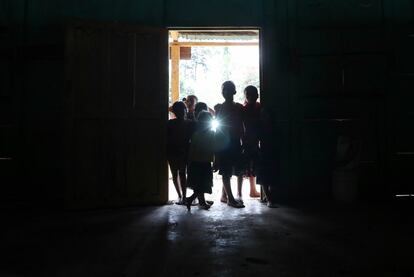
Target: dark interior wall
x=10 y=27
x=346 y=81
x=322 y=61
x=338 y=84
x=399 y=99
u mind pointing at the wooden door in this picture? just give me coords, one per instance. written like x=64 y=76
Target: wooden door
x=116 y=100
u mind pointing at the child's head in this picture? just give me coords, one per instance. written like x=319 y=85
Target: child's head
x=251 y=94
x=179 y=109
x=199 y=107
x=191 y=101
x=228 y=90
x=205 y=118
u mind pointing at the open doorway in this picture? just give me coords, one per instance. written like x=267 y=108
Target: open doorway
x=200 y=61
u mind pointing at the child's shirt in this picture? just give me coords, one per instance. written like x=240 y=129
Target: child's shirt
x=204 y=144
x=230 y=116
x=251 y=119
x=179 y=132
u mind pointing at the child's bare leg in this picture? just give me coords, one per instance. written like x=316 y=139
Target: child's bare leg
x=269 y=195
x=183 y=183
x=176 y=184
x=202 y=200
x=227 y=188
x=266 y=191
x=190 y=200
x=192 y=197
x=253 y=190
x=223 y=195
x=262 y=195
x=239 y=186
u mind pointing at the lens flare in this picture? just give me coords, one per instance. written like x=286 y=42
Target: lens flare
x=215 y=124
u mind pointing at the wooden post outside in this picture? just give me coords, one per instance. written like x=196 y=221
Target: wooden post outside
x=175 y=68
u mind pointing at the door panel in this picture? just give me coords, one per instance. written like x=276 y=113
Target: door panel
x=320 y=75
x=121 y=83
x=86 y=72
x=117 y=93
x=361 y=12
x=363 y=41
x=365 y=75
x=401 y=156
x=319 y=42
x=316 y=13
x=9 y=125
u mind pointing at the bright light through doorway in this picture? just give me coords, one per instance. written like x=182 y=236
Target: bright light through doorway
x=207 y=58
x=201 y=60
x=203 y=78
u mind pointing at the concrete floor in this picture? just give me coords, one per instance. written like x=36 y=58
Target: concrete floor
x=169 y=241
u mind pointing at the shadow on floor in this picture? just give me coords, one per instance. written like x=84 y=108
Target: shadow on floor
x=169 y=241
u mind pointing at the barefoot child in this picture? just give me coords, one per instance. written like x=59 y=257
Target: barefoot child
x=251 y=119
x=178 y=138
x=191 y=102
x=267 y=163
x=230 y=116
x=204 y=143
x=199 y=107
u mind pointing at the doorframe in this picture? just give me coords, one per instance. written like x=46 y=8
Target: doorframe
x=222 y=28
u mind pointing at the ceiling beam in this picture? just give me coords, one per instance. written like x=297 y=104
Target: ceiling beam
x=207 y=44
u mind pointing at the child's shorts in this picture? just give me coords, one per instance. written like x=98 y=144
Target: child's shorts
x=177 y=163
x=200 y=177
x=250 y=160
x=230 y=161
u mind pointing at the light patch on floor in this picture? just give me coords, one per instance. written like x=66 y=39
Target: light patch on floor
x=218 y=184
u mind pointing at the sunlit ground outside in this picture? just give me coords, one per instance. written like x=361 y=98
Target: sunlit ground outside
x=218 y=184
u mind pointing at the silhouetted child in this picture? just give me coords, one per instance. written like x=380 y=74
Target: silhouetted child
x=267 y=167
x=178 y=137
x=251 y=119
x=199 y=107
x=203 y=145
x=230 y=116
x=191 y=102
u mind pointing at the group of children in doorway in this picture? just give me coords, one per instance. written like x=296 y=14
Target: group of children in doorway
x=240 y=145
